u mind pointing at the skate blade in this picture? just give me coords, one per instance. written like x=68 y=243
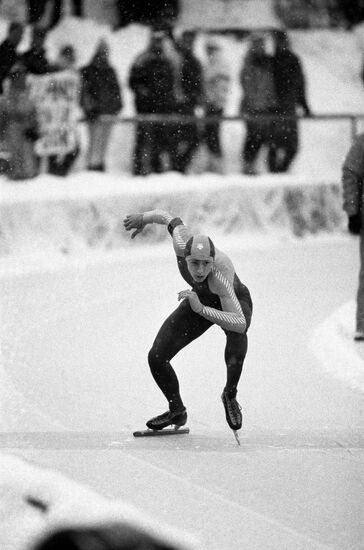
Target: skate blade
x=236 y=434
x=166 y=431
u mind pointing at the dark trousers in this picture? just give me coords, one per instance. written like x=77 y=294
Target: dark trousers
x=212 y=132
x=186 y=139
x=360 y=292
x=258 y=133
x=284 y=144
x=152 y=140
x=180 y=329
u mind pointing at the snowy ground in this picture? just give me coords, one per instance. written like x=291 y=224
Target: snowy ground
x=295 y=482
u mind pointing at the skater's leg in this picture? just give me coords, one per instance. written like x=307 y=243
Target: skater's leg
x=180 y=329
x=235 y=352
x=237 y=346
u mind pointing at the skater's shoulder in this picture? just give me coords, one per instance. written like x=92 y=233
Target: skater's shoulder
x=223 y=266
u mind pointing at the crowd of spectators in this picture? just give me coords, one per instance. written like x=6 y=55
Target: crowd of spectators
x=99 y=94
x=273 y=94
x=178 y=98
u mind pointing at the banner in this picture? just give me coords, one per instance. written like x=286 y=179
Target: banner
x=56 y=97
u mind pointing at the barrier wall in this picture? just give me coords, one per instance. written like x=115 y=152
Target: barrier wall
x=86 y=211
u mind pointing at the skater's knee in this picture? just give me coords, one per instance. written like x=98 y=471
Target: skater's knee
x=152 y=357
x=156 y=360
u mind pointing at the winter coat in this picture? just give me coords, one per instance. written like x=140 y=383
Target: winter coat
x=289 y=83
x=8 y=58
x=191 y=82
x=257 y=81
x=100 y=90
x=353 y=178
x=18 y=132
x=152 y=81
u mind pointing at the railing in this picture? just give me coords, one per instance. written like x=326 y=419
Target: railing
x=353 y=118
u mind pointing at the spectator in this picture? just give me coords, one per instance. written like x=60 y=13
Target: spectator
x=353 y=203
x=18 y=126
x=100 y=95
x=289 y=83
x=60 y=165
x=217 y=82
x=8 y=55
x=192 y=98
x=259 y=100
x=152 y=81
x=35 y=59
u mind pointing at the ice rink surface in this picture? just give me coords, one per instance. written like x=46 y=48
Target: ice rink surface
x=76 y=384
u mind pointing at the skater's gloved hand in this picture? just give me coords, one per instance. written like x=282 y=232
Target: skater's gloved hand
x=354 y=224
x=192 y=297
x=134 y=221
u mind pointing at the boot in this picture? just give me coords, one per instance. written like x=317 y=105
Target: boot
x=232 y=410
x=169 y=418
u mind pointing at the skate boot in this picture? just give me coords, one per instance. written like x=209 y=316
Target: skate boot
x=169 y=418
x=232 y=410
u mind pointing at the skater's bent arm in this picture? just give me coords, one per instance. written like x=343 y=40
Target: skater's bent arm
x=232 y=316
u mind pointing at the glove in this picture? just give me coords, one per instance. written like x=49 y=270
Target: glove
x=355 y=223
x=192 y=297
x=134 y=221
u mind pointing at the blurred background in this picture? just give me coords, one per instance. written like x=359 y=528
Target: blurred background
x=198 y=53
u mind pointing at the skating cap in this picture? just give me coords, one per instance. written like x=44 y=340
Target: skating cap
x=200 y=247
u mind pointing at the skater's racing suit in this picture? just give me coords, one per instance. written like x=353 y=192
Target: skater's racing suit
x=226 y=302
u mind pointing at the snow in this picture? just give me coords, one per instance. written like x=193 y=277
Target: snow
x=74 y=298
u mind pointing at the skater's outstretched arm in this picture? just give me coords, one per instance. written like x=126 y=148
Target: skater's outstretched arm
x=222 y=283
x=141 y=219
x=180 y=232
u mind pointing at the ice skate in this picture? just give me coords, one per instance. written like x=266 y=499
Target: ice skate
x=169 y=418
x=159 y=424
x=232 y=411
